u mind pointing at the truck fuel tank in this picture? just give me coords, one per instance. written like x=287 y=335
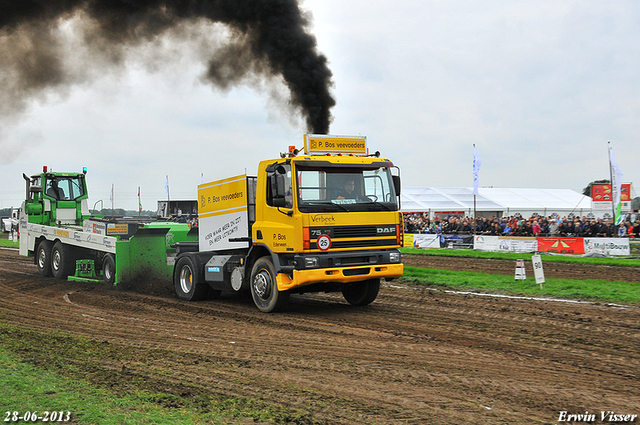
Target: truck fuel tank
x=225 y=272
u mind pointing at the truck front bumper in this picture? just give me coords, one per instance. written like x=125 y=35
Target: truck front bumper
x=306 y=277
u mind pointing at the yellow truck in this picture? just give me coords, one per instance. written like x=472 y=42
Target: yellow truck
x=325 y=220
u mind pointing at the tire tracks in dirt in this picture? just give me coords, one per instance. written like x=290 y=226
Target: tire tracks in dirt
x=416 y=355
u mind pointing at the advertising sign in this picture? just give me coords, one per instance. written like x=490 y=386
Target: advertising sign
x=602 y=197
x=425 y=241
x=323 y=144
x=607 y=246
x=561 y=245
x=223 y=214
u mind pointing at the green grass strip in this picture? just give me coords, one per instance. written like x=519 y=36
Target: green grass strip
x=470 y=253
x=4 y=241
x=56 y=371
x=26 y=388
x=589 y=290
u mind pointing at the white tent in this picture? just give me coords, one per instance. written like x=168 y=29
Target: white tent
x=439 y=201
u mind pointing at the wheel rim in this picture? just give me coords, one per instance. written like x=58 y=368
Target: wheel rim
x=42 y=259
x=107 y=271
x=186 y=279
x=262 y=284
x=56 y=260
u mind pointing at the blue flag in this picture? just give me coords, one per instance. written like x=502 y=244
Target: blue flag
x=477 y=162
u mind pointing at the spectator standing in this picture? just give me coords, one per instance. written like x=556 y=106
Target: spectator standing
x=535 y=228
x=622 y=230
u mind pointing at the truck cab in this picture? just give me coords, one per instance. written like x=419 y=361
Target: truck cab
x=56 y=198
x=327 y=220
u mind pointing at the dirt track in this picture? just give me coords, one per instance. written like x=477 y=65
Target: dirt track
x=415 y=356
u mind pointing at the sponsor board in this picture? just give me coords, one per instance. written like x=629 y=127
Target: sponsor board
x=607 y=246
x=505 y=244
x=425 y=241
x=561 y=245
x=323 y=144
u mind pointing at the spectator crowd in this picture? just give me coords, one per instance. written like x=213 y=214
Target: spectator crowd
x=519 y=226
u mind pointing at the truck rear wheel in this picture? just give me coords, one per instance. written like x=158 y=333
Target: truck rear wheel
x=43 y=258
x=264 y=289
x=362 y=293
x=109 y=269
x=189 y=280
x=62 y=260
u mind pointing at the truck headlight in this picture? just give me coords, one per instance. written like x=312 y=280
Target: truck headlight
x=394 y=257
x=311 y=262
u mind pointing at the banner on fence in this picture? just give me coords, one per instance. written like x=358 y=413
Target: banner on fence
x=515 y=244
x=456 y=241
x=607 y=246
x=486 y=243
x=407 y=241
x=505 y=244
x=426 y=241
x=559 y=245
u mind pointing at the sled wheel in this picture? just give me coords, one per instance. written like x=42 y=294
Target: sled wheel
x=109 y=269
x=62 y=260
x=43 y=258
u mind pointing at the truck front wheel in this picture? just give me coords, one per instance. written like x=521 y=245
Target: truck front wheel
x=62 y=260
x=188 y=279
x=43 y=258
x=362 y=293
x=264 y=289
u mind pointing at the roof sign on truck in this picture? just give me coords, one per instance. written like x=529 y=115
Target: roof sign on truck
x=324 y=144
x=223 y=213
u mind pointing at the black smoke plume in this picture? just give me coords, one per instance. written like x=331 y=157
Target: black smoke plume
x=268 y=38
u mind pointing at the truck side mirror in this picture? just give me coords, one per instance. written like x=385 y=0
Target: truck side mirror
x=396 y=184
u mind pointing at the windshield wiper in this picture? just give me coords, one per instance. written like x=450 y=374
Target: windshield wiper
x=387 y=207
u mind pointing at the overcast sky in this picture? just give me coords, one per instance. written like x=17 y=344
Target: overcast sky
x=539 y=87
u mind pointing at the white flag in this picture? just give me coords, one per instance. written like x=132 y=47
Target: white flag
x=616 y=186
x=166 y=186
x=477 y=162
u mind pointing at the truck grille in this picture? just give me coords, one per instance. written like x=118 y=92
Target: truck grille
x=356 y=236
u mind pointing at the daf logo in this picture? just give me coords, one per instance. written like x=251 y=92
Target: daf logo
x=385 y=230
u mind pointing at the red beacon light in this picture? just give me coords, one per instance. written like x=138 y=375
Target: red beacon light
x=44 y=168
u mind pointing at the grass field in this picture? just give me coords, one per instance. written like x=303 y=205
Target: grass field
x=586 y=290
x=610 y=261
x=5 y=241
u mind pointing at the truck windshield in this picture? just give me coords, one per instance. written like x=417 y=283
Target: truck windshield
x=64 y=188
x=345 y=189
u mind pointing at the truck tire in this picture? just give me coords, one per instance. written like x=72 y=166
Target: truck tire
x=63 y=261
x=189 y=280
x=362 y=293
x=43 y=258
x=264 y=289
x=109 y=269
